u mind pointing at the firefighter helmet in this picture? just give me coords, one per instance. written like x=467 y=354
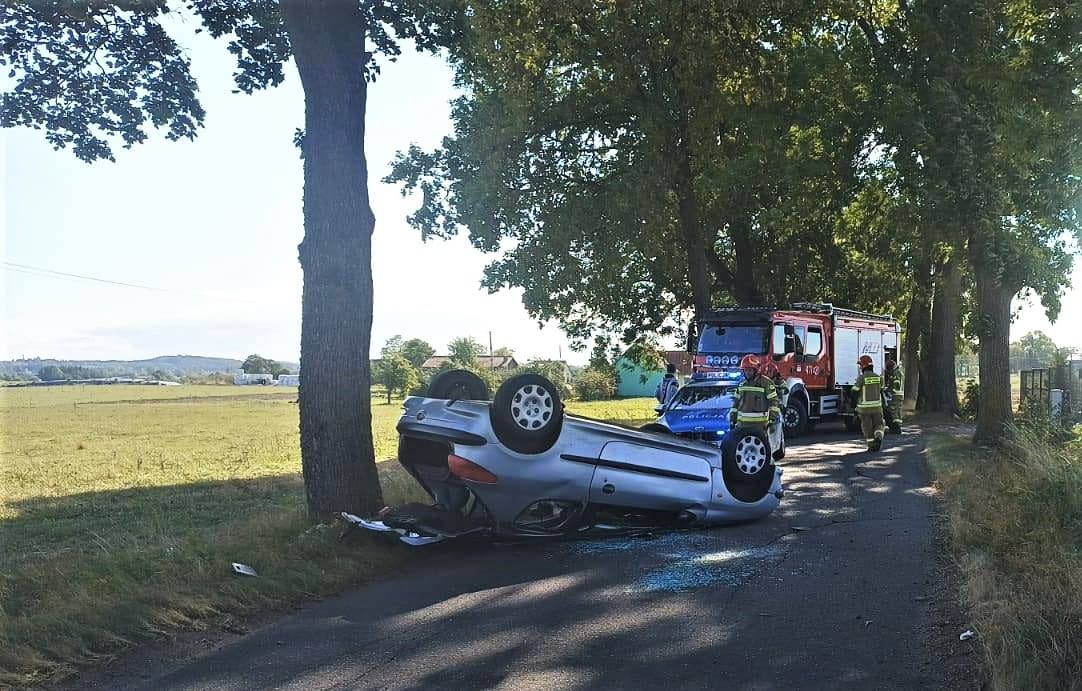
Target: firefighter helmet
x=865 y=361
x=770 y=370
x=750 y=361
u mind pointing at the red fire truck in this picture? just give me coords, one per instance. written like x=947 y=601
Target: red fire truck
x=814 y=347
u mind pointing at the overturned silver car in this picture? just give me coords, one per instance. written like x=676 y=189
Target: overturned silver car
x=518 y=466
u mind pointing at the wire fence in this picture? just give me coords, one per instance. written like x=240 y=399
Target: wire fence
x=1037 y=386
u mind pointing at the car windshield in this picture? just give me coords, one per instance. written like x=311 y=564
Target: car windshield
x=720 y=338
x=701 y=397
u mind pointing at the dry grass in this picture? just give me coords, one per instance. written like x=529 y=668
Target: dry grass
x=1016 y=526
x=122 y=507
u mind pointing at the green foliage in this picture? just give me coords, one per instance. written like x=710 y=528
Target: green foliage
x=51 y=373
x=392 y=347
x=595 y=385
x=396 y=373
x=553 y=370
x=465 y=351
x=713 y=133
x=416 y=351
x=971 y=399
x=256 y=364
x=1035 y=349
x=89 y=73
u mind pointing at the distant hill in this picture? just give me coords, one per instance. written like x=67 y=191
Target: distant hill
x=176 y=365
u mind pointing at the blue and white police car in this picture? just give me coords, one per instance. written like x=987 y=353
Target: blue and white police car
x=700 y=410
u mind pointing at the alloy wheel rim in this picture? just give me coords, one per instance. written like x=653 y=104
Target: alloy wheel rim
x=531 y=407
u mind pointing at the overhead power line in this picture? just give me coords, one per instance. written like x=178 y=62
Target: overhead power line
x=39 y=270
x=31 y=270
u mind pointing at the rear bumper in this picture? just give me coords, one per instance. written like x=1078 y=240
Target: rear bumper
x=450 y=435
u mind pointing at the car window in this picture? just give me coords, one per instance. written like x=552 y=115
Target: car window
x=815 y=341
x=691 y=397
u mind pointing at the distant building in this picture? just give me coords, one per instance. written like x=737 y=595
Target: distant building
x=245 y=379
x=289 y=380
x=632 y=381
x=499 y=363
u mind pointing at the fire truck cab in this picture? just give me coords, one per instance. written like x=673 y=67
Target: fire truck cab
x=814 y=348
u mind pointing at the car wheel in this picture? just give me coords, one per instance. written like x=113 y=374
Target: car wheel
x=459 y=385
x=527 y=414
x=795 y=417
x=746 y=464
x=655 y=427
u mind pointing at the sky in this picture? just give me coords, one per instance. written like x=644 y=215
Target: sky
x=205 y=232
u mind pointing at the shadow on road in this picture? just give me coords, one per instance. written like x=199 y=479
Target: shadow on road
x=831 y=590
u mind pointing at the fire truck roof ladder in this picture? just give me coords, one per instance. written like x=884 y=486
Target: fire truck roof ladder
x=827 y=308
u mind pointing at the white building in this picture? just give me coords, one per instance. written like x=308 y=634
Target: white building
x=289 y=380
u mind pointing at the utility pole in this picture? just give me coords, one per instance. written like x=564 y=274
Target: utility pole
x=491 y=357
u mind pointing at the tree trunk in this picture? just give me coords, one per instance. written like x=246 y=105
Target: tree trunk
x=941 y=386
x=692 y=229
x=994 y=328
x=745 y=288
x=916 y=326
x=337 y=459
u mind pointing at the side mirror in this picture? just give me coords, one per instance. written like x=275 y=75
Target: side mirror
x=659 y=409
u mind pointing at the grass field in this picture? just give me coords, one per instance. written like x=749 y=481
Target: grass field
x=1016 y=528
x=121 y=508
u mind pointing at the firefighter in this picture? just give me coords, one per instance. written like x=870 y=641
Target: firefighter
x=892 y=382
x=756 y=400
x=868 y=388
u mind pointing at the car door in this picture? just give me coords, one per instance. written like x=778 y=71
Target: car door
x=648 y=477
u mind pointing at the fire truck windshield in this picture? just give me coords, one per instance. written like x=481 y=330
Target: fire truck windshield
x=721 y=338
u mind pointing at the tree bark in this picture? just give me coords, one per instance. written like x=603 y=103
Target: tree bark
x=916 y=326
x=745 y=288
x=691 y=226
x=941 y=386
x=994 y=326
x=337 y=459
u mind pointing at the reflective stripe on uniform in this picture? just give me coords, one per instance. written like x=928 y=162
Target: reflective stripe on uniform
x=751 y=417
x=865 y=403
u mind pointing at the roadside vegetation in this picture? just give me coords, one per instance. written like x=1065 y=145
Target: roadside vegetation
x=122 y=508
x=1016 y=529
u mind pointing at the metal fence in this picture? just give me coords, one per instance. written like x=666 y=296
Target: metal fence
x=1037 y=386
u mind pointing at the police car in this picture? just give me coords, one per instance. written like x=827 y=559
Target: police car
x=700 y=410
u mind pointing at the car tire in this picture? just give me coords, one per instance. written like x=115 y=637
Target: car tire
x=795 y=417
x=655 y=427
x=459 y=385
x=527 y=414
x=746 y=464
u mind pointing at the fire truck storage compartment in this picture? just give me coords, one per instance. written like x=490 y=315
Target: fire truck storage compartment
x=850 y=342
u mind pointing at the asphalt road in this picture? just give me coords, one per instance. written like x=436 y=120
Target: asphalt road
x=843 y=587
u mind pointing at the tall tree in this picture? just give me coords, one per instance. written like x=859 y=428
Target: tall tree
x=396 y=373
x=465 y=351
x=417 y=351
x=90 y=73
x=703 y=161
